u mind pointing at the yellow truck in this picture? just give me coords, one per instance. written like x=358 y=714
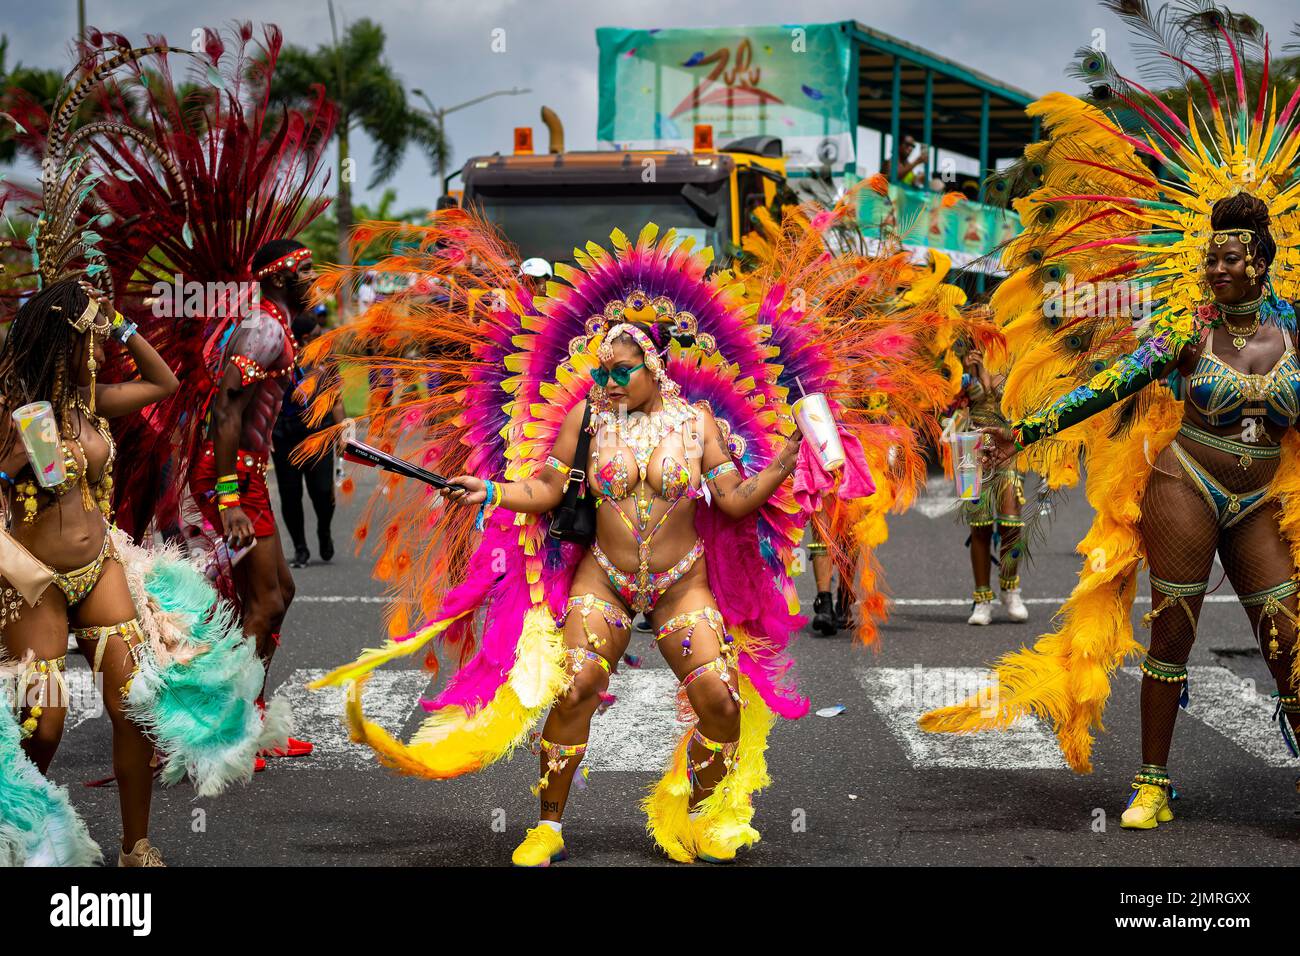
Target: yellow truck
x=547 y=204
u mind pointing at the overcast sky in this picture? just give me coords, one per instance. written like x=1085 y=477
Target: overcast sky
x=443 y=47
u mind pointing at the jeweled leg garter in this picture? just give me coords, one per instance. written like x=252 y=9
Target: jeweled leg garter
x=1174 y=593
x=586 y=603
x=130 y=631
x=691 y=619
x=1271 y=600
x=33 y=685
x=557 y=758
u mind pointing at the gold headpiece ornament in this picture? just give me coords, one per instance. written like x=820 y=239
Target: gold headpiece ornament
x=63 y=245
x=638 y=306
x=1244 y=236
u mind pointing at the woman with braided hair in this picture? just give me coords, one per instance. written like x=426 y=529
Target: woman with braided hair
x=176 y=676
x=54 y=346
x=1210 y=488
x=1156 y=275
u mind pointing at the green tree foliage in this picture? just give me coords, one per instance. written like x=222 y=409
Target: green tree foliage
x=370 y=98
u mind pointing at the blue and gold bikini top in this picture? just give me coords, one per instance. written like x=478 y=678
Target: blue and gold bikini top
x=1223 y=395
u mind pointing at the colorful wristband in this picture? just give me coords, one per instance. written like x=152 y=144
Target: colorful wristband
x=489 y=489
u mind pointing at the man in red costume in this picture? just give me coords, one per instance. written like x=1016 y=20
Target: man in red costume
x=253 y=368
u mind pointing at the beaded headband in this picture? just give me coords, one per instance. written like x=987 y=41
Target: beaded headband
x=606 y=353
x=286 y=263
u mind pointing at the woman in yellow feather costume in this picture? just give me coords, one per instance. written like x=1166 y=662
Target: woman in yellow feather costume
x=1164 y=297
x=681 y=385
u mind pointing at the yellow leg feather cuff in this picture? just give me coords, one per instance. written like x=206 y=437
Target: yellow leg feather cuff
x=728 y=810
x=376 y=657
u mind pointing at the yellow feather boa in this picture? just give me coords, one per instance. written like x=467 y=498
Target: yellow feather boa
x=1065 y=677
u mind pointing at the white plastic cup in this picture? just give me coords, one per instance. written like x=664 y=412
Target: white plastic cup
x=813 y=415
x=966 y=469
x=39 y=431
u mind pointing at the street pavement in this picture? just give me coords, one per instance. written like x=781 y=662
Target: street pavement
x=864 y=787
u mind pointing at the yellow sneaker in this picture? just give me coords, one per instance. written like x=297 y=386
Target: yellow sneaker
x=1148 y=808
x=709 y=848
x=541 y=847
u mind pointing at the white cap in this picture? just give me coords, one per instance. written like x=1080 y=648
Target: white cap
x=536 y=267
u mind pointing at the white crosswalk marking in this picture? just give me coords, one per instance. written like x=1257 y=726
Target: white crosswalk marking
x=84 y=701
x=1235 y=708
x=391 y=697
x=900 y=695
x=637 y=733
x=937 y=499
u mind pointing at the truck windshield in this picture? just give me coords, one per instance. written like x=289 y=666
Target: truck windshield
x=552 y=225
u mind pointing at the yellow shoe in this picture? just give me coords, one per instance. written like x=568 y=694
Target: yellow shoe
x=1148 y=808
x=709 y=848
x=541 y=847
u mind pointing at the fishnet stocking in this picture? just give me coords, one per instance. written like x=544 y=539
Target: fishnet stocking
x=1179 y=535
x=1256 y=558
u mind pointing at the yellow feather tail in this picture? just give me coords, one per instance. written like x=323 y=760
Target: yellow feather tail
x=376 y=657
x=454 y=741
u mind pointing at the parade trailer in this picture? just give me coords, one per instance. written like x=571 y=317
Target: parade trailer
x=787 y=103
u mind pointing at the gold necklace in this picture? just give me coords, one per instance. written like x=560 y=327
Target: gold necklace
x=1239 y=336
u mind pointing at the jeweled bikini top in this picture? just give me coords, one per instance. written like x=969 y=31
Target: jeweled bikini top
x=1223 y=395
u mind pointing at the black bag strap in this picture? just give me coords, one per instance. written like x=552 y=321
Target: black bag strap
x=582 y=449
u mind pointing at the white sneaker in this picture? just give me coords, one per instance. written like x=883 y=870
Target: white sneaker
x=982 y=615
x=1014 y=606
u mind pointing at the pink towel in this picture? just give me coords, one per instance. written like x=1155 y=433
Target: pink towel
x=851 y=480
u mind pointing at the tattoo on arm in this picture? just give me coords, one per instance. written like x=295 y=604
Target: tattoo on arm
x=528 y=489
x=747 y=487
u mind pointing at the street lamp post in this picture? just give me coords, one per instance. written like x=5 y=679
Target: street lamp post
x=439 y=117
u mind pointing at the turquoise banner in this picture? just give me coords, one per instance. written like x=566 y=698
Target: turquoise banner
x=788 y=81
x=966 y=231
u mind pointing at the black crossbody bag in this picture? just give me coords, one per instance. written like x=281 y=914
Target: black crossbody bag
x=575 y=519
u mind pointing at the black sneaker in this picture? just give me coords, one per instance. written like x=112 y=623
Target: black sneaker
x=643 y=625
x=301 y=558
x=823 y=622
x=327 y=550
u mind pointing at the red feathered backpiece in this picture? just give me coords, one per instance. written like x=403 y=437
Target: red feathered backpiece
x=195 y=175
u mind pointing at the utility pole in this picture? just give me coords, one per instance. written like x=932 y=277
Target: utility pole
x=439 y=117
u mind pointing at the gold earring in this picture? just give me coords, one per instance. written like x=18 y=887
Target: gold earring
x=1250 y=271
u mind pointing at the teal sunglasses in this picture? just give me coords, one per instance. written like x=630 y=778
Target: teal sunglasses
x=621 y=375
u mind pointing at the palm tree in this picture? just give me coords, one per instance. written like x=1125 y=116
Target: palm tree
x=369 y=97
x=28 y=83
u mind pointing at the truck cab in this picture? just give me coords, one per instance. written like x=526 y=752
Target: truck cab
x=551 y=203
